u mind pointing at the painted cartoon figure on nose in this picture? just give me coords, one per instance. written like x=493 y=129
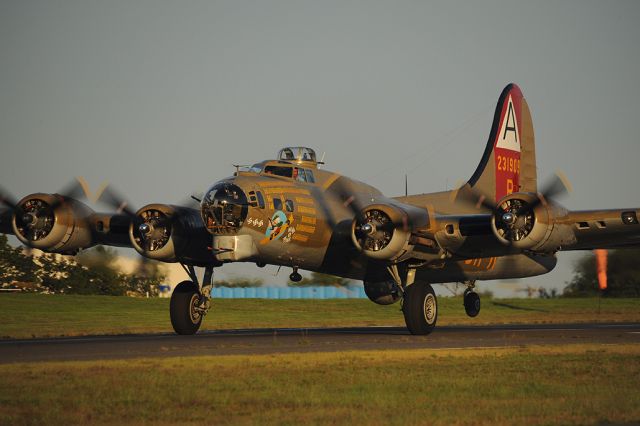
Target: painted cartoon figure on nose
x=278 y=224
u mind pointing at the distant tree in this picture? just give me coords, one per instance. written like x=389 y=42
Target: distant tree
x=239 y=282
x=145 y=280
x=90 y=272
x=99 y=257
x=623 y=275
x=54 y=270
x=321 y=280
x=15 y=265
x=85 y=280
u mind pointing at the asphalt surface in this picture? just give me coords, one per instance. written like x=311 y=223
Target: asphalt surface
x=269 y=341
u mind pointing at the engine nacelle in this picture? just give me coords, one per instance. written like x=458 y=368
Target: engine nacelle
x=382 y=292
x=170 y=233
x=533 y=229
x=53 y=223
x=383 y=231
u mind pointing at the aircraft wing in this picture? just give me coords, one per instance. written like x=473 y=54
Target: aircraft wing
x=520 y=223
x=58 y=223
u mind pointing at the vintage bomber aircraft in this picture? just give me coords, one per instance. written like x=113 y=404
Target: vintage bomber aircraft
x=288 y=212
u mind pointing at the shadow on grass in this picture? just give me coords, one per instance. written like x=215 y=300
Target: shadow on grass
x=518 y=308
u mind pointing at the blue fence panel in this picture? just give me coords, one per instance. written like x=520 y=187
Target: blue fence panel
x=273 y=293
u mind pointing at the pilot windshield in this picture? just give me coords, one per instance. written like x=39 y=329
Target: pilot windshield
x=298 y=154
x=224 y=208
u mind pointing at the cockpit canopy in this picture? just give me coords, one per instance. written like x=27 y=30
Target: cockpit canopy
x=297 y=154
x=224 y=208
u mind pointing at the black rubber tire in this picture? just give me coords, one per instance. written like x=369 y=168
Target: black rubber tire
x=184 y=319
x=472 y=303
x=420 y=308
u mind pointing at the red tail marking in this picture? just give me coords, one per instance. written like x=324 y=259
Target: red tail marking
x=507 y=145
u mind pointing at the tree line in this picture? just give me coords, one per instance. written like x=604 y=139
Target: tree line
x=92 y=271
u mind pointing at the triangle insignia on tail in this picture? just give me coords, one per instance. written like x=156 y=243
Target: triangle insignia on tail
x=509 y=135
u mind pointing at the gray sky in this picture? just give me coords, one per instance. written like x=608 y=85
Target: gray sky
x=161 y=97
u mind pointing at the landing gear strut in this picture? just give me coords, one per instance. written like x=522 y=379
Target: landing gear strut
x=190 y=302
x=471 y=300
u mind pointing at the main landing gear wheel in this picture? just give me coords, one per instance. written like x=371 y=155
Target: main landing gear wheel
x=471 y=303
x=186 y=316
x=420 y=308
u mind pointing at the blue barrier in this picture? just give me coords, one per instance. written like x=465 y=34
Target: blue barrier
x=318 y=292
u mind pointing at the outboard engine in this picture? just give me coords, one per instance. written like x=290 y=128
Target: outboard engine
x=53 y=223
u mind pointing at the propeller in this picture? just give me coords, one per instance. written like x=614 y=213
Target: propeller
x=10 y=208
x=338 y=192
x=373 y=227
x=515 y=218
x=7 y=199
x=151 y=230
x=117 y=201
x=374 y=230
x=154 y=231
x=152 y=227
x=35 y=217
x=555 y=187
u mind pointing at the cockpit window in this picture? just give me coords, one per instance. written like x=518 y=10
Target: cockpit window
x=256 y=168
x=310 y=177
x=279 y=171
x=224 y=208
x=260 y=200
x=298 y=174
x=297 y=153
x=277 y=204
x=288 y=204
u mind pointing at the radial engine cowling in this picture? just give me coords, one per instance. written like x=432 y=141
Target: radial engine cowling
x=53 y=223
x=170 y=233
x=534 y=229
x=383 y=231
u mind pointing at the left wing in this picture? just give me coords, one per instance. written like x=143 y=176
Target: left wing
x=59 y=223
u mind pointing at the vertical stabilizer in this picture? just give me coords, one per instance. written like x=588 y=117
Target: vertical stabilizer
x=509 y=160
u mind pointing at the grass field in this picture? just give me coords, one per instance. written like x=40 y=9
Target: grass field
x=33 y=315
x=586 y=384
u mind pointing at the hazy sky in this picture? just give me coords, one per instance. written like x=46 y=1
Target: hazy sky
x=161 y=97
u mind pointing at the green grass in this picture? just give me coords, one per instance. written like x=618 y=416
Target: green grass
x=33 y=315
x=586 y=384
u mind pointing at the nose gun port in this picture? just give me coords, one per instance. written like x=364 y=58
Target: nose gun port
x=224 y=208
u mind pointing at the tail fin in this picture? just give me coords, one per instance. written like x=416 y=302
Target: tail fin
x=509 y=160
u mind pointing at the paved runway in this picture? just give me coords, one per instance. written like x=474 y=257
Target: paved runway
x=268 y=341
